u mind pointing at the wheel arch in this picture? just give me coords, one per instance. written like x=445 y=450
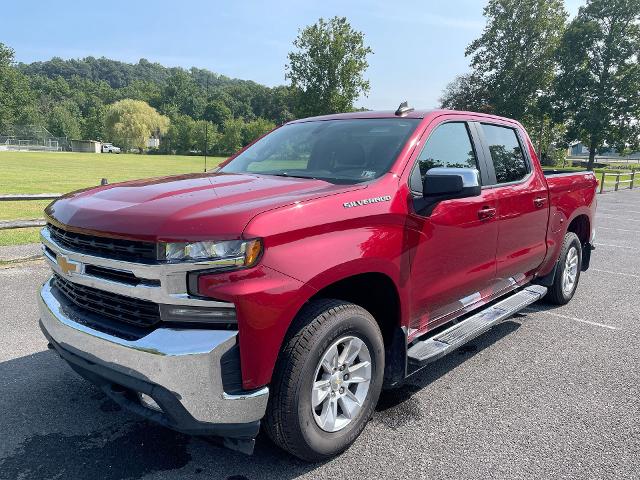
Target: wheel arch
x=377 y=293
x=581 y=226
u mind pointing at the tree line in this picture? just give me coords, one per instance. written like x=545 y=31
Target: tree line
x=193 y=110
x=564 y=80
x=81 y=99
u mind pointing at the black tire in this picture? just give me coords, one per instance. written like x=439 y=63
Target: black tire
x=289 y=421
x=556 y=294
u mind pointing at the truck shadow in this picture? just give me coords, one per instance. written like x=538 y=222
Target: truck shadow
x=56 y=425
x=397 y=407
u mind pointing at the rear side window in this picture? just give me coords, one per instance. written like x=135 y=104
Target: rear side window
x=449 y=145
x=506 y=153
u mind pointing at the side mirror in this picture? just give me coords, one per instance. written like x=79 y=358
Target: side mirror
x=446 y=184
x=449 y=183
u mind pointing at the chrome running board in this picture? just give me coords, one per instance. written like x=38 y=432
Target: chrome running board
x=426 y=351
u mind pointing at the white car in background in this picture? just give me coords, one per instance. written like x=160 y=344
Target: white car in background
x=110 y=148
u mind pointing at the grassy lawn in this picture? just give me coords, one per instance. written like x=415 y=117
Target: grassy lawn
x=23 y=210
x=44 y=172
x=19 y=236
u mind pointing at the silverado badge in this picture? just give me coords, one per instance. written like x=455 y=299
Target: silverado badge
x=359 y=203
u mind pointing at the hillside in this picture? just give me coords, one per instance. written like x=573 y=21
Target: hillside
x=70 y=99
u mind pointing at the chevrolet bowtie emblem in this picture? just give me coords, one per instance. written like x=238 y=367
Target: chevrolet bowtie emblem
x=67 y=266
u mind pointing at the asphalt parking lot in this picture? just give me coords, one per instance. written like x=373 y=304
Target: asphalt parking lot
x=551 y=393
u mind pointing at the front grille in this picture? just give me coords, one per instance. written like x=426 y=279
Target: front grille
x=128 y=250
x=141 y=313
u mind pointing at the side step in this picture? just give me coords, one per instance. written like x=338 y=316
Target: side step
x=439 y=345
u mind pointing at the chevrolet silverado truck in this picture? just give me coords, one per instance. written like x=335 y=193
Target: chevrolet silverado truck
x=331 y=258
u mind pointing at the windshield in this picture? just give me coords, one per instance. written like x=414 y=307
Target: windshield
x=338 y=151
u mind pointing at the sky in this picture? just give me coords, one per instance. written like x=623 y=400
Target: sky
x=418 y=45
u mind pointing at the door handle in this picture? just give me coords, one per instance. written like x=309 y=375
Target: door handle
x=539 y=201
x=486 y=213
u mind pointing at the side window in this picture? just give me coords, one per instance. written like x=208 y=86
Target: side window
x=506 y=153
x=449 y=145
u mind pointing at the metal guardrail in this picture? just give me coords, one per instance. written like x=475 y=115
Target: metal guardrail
x=618 y=182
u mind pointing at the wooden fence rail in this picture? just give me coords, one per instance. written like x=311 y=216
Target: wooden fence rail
x=618 y=182
x=37 y=222
x=7 y=225
x=29 y=196
x=11 y=224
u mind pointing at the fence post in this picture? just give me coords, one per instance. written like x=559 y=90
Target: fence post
x=633 y=176
x=602 y=182
x=617 y=180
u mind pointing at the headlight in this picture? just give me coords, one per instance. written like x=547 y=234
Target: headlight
x=223 y=253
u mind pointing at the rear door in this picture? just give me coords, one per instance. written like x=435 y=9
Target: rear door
x=453 y=266
x=522 y=196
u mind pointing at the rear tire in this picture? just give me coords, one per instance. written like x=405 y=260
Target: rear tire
x=313 y=413
x=568 y=269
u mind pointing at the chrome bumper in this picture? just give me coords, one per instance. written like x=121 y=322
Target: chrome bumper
x=186 y=362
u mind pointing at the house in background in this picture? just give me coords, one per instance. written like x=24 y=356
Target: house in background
x=577 y=149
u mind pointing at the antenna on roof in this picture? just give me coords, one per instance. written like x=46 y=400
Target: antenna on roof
x=403 y=109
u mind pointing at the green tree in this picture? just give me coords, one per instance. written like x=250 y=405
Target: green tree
x=65 y=120
x=186 y=135
x=17 y=100
x=181 y=94
x=327 y=69
x=515 y=55
x=205 y=134
x=93 y=121
x=7 y=55
x=231 y=139
x=256 y=128
x=217 y=112
x=598 y=85
x=130 y=123
x=467 y=92
x=180 y=135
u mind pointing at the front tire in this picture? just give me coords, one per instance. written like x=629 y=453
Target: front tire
x=568 y=270
x=327 y=380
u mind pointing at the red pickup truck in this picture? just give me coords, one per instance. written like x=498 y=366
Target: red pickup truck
x=333 y=257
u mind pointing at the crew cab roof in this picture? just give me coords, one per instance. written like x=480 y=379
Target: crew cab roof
x=420 y=114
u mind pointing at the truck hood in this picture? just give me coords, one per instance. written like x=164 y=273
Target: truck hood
x=183 y=208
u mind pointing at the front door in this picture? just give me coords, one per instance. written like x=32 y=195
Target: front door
x=454 y=265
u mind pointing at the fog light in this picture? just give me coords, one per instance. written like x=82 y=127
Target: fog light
x=179 y=313
x=149 y=402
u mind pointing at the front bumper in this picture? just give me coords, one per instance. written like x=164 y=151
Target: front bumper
x=180 y=369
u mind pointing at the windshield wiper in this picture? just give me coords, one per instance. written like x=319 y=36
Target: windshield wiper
x=334 y=180
x=285 y=174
